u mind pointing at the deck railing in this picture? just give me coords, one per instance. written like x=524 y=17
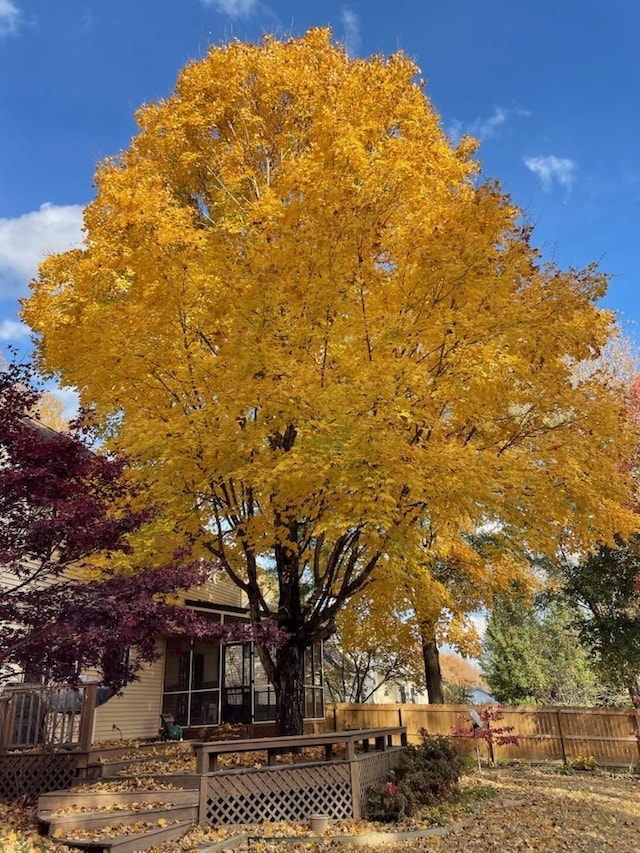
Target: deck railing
x=47 y=718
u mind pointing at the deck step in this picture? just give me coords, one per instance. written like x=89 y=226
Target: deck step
x=115 y=752
x=108 y=762
x=174 y=780
x=108 y=767
x=61 y=823
x=151 y=837
x=95 y=799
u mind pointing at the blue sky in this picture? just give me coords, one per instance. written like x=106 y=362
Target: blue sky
x=552 y=89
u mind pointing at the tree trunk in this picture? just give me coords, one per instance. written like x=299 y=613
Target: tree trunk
x=432 y=673
x=289 y=689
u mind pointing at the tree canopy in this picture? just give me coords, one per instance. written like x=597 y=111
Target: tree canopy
x=65 y=514
x=375 y=646
x=604 y=589
x=328 y=344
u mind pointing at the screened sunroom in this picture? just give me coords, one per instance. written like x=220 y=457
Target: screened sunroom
x=208 y=684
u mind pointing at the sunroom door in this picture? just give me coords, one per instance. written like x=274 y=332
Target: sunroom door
x=236 y=693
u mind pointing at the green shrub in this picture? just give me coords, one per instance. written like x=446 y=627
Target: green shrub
x=428 y=774
x=386 y=804
x=584 y=762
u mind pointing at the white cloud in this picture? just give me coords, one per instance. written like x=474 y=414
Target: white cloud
x=9 y=18
x=12 y=330
x=351 y=24
x=485 y=128
x=552 y=169
x=482 y=128
x=26 y=240
x=479 y=622
x=232 y=8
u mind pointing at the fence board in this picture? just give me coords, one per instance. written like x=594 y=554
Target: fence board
x=610 y=735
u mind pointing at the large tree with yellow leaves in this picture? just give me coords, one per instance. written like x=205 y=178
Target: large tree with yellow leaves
x=330 y=348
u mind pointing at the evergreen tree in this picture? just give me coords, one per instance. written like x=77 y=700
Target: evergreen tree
x=532 y=653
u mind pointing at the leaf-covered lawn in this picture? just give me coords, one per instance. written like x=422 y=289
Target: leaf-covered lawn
x=532 y=810
x=545 y=812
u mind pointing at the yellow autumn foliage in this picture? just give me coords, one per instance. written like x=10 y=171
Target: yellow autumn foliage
x=50 y=412
x=325 y=342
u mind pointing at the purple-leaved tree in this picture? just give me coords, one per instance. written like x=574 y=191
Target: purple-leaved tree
x=62 y=505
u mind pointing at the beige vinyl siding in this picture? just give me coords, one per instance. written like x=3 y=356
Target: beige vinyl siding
x=218 y=590
x=8 y=580
x=137 y=711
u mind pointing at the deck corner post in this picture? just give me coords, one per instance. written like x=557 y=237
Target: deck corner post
x=356 y=795
x=202 y=804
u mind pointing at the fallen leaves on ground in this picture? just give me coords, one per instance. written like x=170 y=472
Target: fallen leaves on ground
x=107 y=808
x=19 y=831
x=117 y=786
x=548 y=813
x=118 y=830
x=531 y=811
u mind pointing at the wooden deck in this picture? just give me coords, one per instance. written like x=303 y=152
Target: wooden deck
x=336 y=786
x=207 y=753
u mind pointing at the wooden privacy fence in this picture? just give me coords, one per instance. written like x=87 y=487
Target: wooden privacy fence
x=610 y=735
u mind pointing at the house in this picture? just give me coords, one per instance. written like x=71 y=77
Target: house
x=198 y=682
x=203 y=684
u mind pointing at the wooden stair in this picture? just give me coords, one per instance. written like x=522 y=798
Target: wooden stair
x=124 y=761
x=150 y=836
x=127 y=820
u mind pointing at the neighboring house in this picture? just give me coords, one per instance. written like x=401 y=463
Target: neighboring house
x=478 y=696
x=405 y=692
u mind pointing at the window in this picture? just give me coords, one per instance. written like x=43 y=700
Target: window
x=236 y=696
x=206 y=684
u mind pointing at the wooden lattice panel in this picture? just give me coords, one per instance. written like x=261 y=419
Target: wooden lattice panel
x=28 y=776
x=372 y=770
x=279 y=793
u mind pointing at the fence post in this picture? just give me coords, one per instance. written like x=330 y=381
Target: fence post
x=399 y=715
x=492 y=758
x=202 y=801
x=335 y=718
x=560 y=732
x=636 y=725
x=86 y=720
x=8 y=705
